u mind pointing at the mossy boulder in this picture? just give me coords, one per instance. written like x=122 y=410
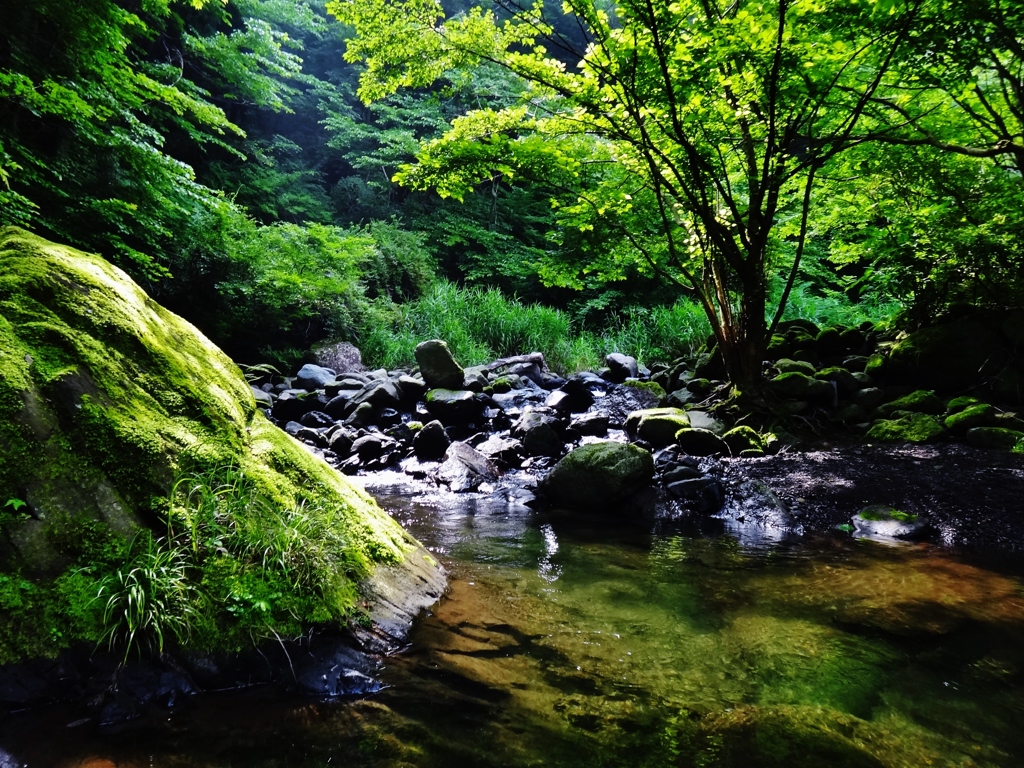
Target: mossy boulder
x=998 y=438
x=599 y=475
x=977 y=415
x=657 y=426
x=701 y=442
x=743 y=438
x=920 y=401
x=800 y=386
x=438 y=366
x=846 y=383
x=906 y=427
x=106 y=397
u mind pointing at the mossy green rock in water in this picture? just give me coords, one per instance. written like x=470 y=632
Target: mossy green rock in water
x=599 y=475
x=657 y=426
x=105 y=397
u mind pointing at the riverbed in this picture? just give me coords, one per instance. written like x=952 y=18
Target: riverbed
x=575 y=640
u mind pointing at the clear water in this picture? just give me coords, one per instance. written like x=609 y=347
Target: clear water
x=569 y=641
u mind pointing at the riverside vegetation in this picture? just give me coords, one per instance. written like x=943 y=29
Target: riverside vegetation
x=785 y=222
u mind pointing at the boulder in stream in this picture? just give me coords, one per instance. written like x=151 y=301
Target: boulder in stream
x=599 y=475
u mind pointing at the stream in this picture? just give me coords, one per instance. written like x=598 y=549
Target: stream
x=569 y=640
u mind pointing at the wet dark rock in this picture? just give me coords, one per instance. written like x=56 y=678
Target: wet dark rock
x=312 y=377
x=292 y=428
x=431 y=442
x=361 y=417
x=454 y=407
x=800 y=386
x=328 y=669
x=538 y=430
x=401 y=433
x=372 y=446
x=620 y=367
x=438 y=366
x=578 y=391
x=846 y=383
x=702 y=494
x=869 y=398
x=291 y=404
x=701 y=442
x=998 y=438
x=340 y=441
x=410 y=388
x=621 y=400
x=559 y=401
x=311 y=436
x=503 y=451
x=338 y=405
x=531 y=370
x=594 y=424
x=465 y=469
x=679 y=472
x=316 y=420
x=378 y=394
x=388 y=417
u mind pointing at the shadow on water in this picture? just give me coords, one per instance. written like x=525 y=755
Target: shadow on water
x=573 y=641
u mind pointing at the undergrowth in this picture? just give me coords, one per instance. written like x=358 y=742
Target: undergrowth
x=481 y=325
x=234 y=569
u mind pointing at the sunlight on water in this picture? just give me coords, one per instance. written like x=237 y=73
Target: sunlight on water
x=570 y=642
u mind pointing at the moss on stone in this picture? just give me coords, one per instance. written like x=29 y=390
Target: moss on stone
x=105 y=396
x=920 y=401
x=978 y=415
x=647 y=386
x=907 y=427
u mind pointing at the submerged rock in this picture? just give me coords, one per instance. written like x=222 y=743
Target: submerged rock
x=881 y=521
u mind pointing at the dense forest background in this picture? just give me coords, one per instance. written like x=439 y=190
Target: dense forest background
x=220 y=153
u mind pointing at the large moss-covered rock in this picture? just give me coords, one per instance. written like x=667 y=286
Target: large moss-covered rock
x=906 y=427
x=105 y=397
x=657 y=426
x=599 y=475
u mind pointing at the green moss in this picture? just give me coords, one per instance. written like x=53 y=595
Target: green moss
x=743 y=438
x=105 y=398
x=894 y=514
x=647 y=386
x=921 y=401
x=908 y=427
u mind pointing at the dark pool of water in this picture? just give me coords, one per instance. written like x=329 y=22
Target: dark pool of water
x=568 y=641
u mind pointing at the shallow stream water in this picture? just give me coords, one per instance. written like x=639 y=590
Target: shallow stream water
x=574 y=641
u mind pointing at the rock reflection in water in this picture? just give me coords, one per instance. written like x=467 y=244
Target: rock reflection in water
x=573 y=641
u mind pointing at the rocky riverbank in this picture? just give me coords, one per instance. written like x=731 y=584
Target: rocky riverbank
x=910 y=460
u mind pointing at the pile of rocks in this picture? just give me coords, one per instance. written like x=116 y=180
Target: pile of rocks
x=466 y=427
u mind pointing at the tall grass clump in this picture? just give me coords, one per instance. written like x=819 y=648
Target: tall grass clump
x=825 y=308
x=481 y=325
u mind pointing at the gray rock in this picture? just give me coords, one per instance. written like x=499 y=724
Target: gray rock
x=704 y=420
x=361 y=417
x=263 y=399
x=465 y=469
x=378 y=393
x=411 y=388
x=679 y=472
x=341 y=441
x=620 y=367
x=316 y=420
x=338 y=405
x=431 y=442
x=314 y=377
x=372 y=446
x=504 y=451
x=438 y=366
x=599 y=475
x=539 y=433
x=342 y=357
x=292 y=428
x=578 y=390
x=311 y=436
x=594 y=424
x=519 y=398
